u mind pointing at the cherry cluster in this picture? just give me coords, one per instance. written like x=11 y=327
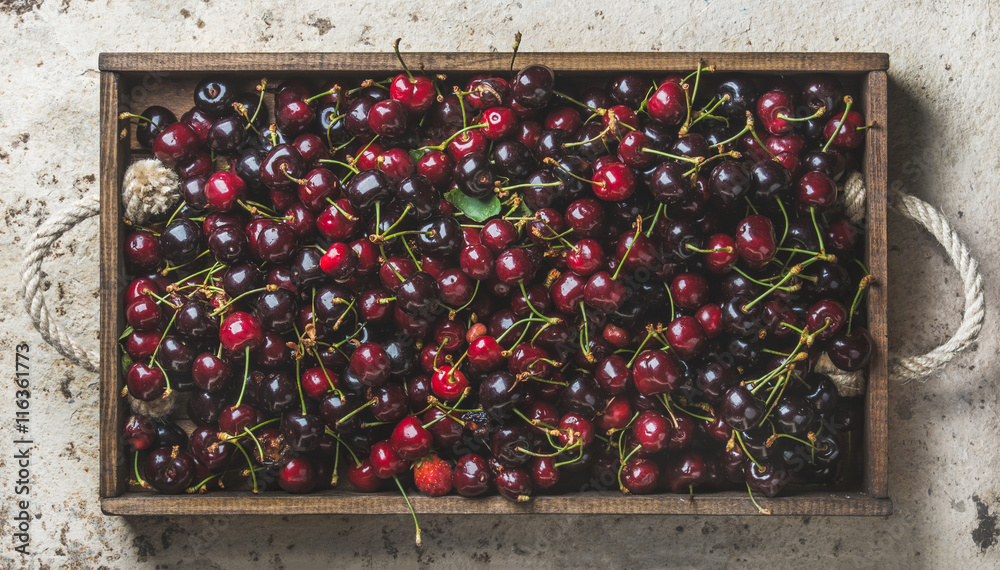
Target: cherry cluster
x=503 y=285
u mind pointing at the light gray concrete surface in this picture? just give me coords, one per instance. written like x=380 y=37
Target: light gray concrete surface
x=944 y=129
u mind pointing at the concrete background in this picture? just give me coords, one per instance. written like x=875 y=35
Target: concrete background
x=944 y=92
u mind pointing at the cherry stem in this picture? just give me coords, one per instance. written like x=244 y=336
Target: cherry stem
x=748 y=127
x=526 y=185
x=246 y=375
x=409 y=506
x=761 y=509
x=692 y=160
x=725 y=249
x=298 y=384
x=513 y=55
x=703 y=112
x=350 y=167
x=656 y=217
x=621 y=468
x=246 y=456
x=554 y=162
x=350 y=217
x=784 y=214
x=670 y=295
x=336 y=436
x=697 y=167
x=739 y=438
x=575 y=102
x=135 y=467
x=464 y=129
x=240 y=296
x=528 y=302
x=819 y=113
x=355 y=411
x=862 y=285
x=819 y=234
x=156 y=350
x=330 y=91
x=848 y=101
x=649 y=333
x=635 y=238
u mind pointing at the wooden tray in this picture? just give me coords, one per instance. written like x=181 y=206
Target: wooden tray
x=168 y=79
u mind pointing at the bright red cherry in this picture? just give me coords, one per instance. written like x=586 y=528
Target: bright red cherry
x=339 y=262
x=144 y=382
x=686 y=337
x=415 y=92
x=613 y=182
x=410 y=439
x=448 y=384
x=240 y=331
x=656 y=372
x=388 y=118
x=223 y=190
x=668 y=104
x=177 y=142
x=722 y=253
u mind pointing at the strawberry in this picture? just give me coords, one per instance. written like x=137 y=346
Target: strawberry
x=432 y=476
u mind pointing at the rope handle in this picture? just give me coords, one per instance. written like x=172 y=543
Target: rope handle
x=900 y=369
x=915 y=209
x=31 y=280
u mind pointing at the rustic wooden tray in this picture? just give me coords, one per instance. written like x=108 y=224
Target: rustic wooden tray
x=168 y=79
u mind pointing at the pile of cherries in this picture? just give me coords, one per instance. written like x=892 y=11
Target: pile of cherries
x=504 y=285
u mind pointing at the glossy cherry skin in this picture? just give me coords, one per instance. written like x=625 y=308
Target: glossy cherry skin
x=613 y=182
x=240 y=331
x=362 y=476
x=848 y=136
x=755 y=240
x=532 y=87
x=514 y=484
x=686 y=337
x=176 y=143
x=656 y=372
x=651 y=430
x=388 y=118
x=415 y=92
x=740 y=409
x=640 y=476
x=604 y=293
x=471 y=476
x=145 y=383
x=851 y=352
x=169 y=471
x=815 y=190
x=668 y=104
x=298 y=475
x=448 y=384
x=769 y=482
x=139 y=432
x=410 y=439
x=823 y=312
x=371 y=363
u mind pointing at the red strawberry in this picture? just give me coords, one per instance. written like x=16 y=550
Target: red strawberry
x=433 y=476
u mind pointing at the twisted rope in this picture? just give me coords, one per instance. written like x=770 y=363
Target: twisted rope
x=31 y=280
x=912 y=367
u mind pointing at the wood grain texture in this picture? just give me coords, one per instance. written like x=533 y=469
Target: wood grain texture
x=139 y=80
x=875 y=106
x=445 y=62
x=114 y=157
x=611 y=502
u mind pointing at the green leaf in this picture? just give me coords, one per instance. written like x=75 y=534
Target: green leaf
x=476 y=209
x=126 y=363
x=128 y=331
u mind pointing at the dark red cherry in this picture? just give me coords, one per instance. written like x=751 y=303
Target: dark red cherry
x=471 y=475
x=689 y=290
x=828 y=315
x=686 y=337
x=656 y=372
x=770 y=481
x=498 y=235
x=740 y=409
x=370 y=362
x=851 y=352
x=387 y=118
x=755 y=240
x=176 y=143
x=613 y=182
x=533 y=86
x=515 y=266
x=604 y=293
x=142 y=250
x=640 y=476
x=362 y=476
x=143 y=314
x=850 y=135
x=651 y=430
x=730 y=182
x=815 y=190
x=299 y=475
x=145 y=383
x=169 y=471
